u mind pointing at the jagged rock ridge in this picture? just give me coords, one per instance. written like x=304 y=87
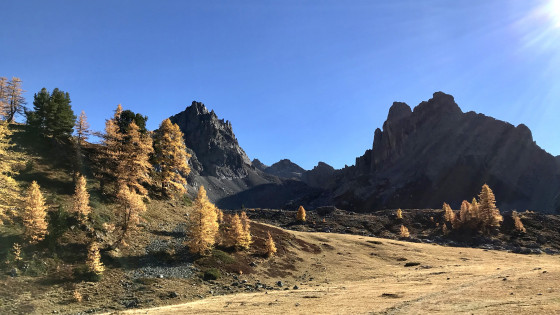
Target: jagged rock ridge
x=437 y=153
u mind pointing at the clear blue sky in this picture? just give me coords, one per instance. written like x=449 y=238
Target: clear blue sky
x=304 y=80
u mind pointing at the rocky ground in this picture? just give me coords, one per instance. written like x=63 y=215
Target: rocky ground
x=542 y=235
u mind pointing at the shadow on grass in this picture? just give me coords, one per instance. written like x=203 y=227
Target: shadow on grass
x=59 y=186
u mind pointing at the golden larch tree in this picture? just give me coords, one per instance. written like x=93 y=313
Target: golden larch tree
x=399 y=214
x=202 y=224
x=82 y=129
x=449 y=216
x=9 y=159
x=236 y=232
x=13 y=99
x=134 y=167
x=489 y=213
x=404 y=231
x=517 y=222
x=130 y=206
x=110 y=154
x=301 y=216
x=93 y=261
x=171 y=157
x=3 y=94
x=270 y=246
x=80 y=204
x=247 y=238
x=34 y=215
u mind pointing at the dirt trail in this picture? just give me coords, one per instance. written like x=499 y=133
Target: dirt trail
x=364 y=275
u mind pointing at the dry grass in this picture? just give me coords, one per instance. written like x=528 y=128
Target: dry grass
x=358 y=275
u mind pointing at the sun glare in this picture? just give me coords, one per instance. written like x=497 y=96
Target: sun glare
x=553 y=10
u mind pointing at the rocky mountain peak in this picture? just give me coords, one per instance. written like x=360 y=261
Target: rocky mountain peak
x=398 y=111
x=440 y=104
x=285 y=169
x=212 y=143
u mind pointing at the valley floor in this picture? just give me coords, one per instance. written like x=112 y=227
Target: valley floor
x=359 y=275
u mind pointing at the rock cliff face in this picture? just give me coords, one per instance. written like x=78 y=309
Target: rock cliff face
x=437 y=153
x=214 y=148
x=219 y=164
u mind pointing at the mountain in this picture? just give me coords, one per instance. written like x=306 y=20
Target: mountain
x=285 y=169
x=220 y=164
x=421 y=158
x=436 y=153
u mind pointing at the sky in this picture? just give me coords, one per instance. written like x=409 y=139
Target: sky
x=305 y=80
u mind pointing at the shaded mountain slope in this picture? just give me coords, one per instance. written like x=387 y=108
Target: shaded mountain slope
x=437 y=153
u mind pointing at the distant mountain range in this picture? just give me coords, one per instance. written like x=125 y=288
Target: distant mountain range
x=422 y=158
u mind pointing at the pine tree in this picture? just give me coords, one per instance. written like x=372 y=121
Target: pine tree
x=52 y=115
x=82 y=129
x=170 y=156
x=270 y=246
x=93 y=261
x=404 y=231
x=202 y=224
x=9 y=190
x=34 y=215
x=399 y=214
x=489 y=214
x=301 y=216
x=13 y=100
x=246 y=239
x=80 y=206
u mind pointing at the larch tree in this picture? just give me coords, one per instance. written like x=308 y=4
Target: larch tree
x=93 y=261
x=489 y=213
x=13 y=99
x=246 y=239
x=202 y=224
x=301 y=216
x=517 y=222
x=133 y=168
x=236 y=233
x=80 y=204
x=110 y=154
x=82 y=132
x=3 y=97
x=9 y=160
x=171 y=157
x=449 y=217
x=81 y=129
x=34 y=215
x=404 y=231
x=270 y=246
x=129 y=207
x=399 y=214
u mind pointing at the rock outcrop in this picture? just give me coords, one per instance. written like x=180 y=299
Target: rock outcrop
x=436 y=153
x=220 y=164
